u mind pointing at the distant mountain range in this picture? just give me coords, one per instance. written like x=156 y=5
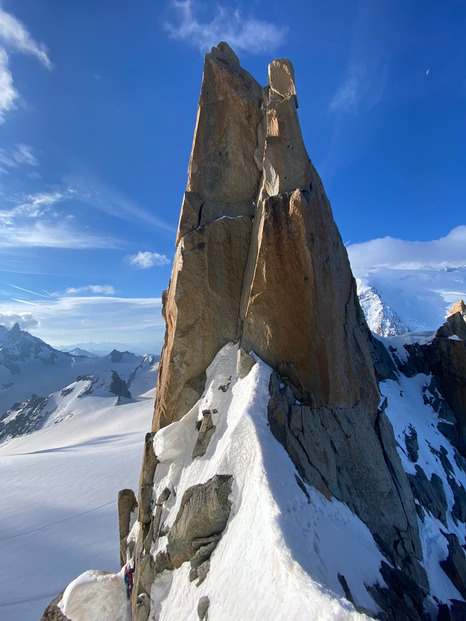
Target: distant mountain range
x=38 y=381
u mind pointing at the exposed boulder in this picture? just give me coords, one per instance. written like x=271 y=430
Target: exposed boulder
x=146 y=479
x=203 y=513
x=430 y=494
x=445 y=358
x=203 y=608
x=53 y=612
x=206 y=430
x=455 y=324
x=455 y=563
x=127 y=505
x=244 y=363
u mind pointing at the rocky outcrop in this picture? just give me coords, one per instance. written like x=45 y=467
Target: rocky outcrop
x=325 y=445
x=455 y=563
x=127 y=505
x=445 y=358
x=53 y=612
x=213 y=234
x=455 y=324
x=202 y=516
x=260 y=260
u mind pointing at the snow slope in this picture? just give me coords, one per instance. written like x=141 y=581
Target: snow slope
x=284 y=545
x=420 y=298
x=28 y=365
x=59 y=489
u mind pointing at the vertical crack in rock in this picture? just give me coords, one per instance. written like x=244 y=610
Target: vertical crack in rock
x=260 y=260
x=202 y=304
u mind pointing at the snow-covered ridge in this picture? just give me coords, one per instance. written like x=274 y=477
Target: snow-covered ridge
x=282 y=536
x=302 y=551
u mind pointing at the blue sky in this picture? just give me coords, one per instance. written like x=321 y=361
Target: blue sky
x=97 y=109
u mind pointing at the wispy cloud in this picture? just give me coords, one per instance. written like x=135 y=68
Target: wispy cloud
x=15 y=38
x=103 y=289
x=8 y=93
x=23 y=155
x=145 y=260
x=347 y=95
x=26 y=321
x=362 y=87
x=31 y=206
x=242 y=33
x=53 y=235
x=389 y=252
x=29 y=291
x=35 y=222
x=20 y=155
x=97 y=193
x=69 y=319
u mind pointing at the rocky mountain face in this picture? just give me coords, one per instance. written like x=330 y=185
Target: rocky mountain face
x=262 y=315
x=444 y=358
x=29 y=366
x=257 y=238
x=36 y=412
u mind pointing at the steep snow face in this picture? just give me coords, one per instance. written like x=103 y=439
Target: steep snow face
x=421 y=298
x=433 y=465
x=143 y=377
x=59 y=488
x=30 y=366
x=380 y=318
x=284 y=541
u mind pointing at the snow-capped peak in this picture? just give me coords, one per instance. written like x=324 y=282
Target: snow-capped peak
x=380 y=317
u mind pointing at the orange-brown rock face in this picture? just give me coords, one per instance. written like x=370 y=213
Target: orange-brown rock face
x=260 y=260
x=302 y=315
x=201 y=311
x=201 y=306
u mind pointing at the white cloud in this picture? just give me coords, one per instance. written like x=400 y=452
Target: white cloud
x=8 y=93
x=347 y=96
x=362 y=86
x=32 y=206
x=69 y=319
x=24 y=155
x=15 y=36
x=145 y=260
x=105 y=289
x=93 y=191
x=248 y=34
x=389 y=252
x=52 y=235
x=35 y=223
x=26 y=321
